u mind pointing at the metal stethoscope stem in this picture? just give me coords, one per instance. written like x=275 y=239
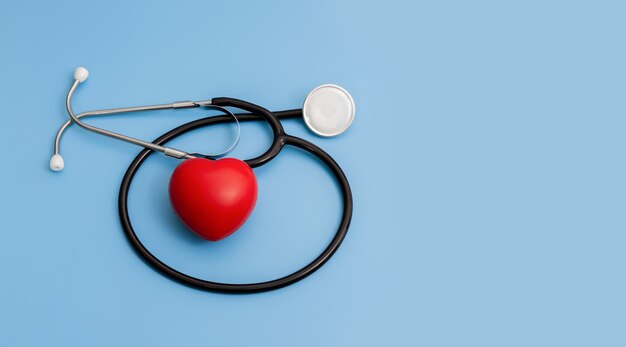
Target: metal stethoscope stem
x=81 y=74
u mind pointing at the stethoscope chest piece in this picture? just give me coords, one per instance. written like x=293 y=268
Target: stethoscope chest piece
x=328 y=110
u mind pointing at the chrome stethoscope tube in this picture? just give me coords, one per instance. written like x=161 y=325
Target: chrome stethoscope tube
x=81 y=74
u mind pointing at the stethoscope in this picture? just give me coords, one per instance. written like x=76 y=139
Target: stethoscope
x=213 y=196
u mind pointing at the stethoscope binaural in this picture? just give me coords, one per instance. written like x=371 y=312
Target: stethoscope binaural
x=230 y=185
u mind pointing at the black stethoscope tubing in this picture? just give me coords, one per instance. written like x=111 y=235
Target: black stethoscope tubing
x=279 y=141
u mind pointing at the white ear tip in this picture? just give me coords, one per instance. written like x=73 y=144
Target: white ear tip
x=57 y=163
x=81 y=74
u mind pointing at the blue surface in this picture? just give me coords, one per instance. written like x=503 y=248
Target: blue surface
x=486 y=161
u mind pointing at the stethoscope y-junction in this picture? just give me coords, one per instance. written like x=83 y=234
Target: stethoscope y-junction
x=214 y=197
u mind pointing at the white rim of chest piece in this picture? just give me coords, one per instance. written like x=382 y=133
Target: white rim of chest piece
x=328 y=110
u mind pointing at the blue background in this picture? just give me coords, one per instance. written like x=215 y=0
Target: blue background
x=486 y=160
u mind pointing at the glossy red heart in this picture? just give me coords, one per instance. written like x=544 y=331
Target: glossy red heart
x=213 y=197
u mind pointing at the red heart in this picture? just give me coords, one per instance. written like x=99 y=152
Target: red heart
x=213 y=197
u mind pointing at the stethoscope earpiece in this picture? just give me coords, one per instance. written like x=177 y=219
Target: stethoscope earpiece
x=57 y=163
x=81 y=74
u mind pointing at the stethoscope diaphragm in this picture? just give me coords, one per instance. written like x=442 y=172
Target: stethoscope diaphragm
x=328 y=110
